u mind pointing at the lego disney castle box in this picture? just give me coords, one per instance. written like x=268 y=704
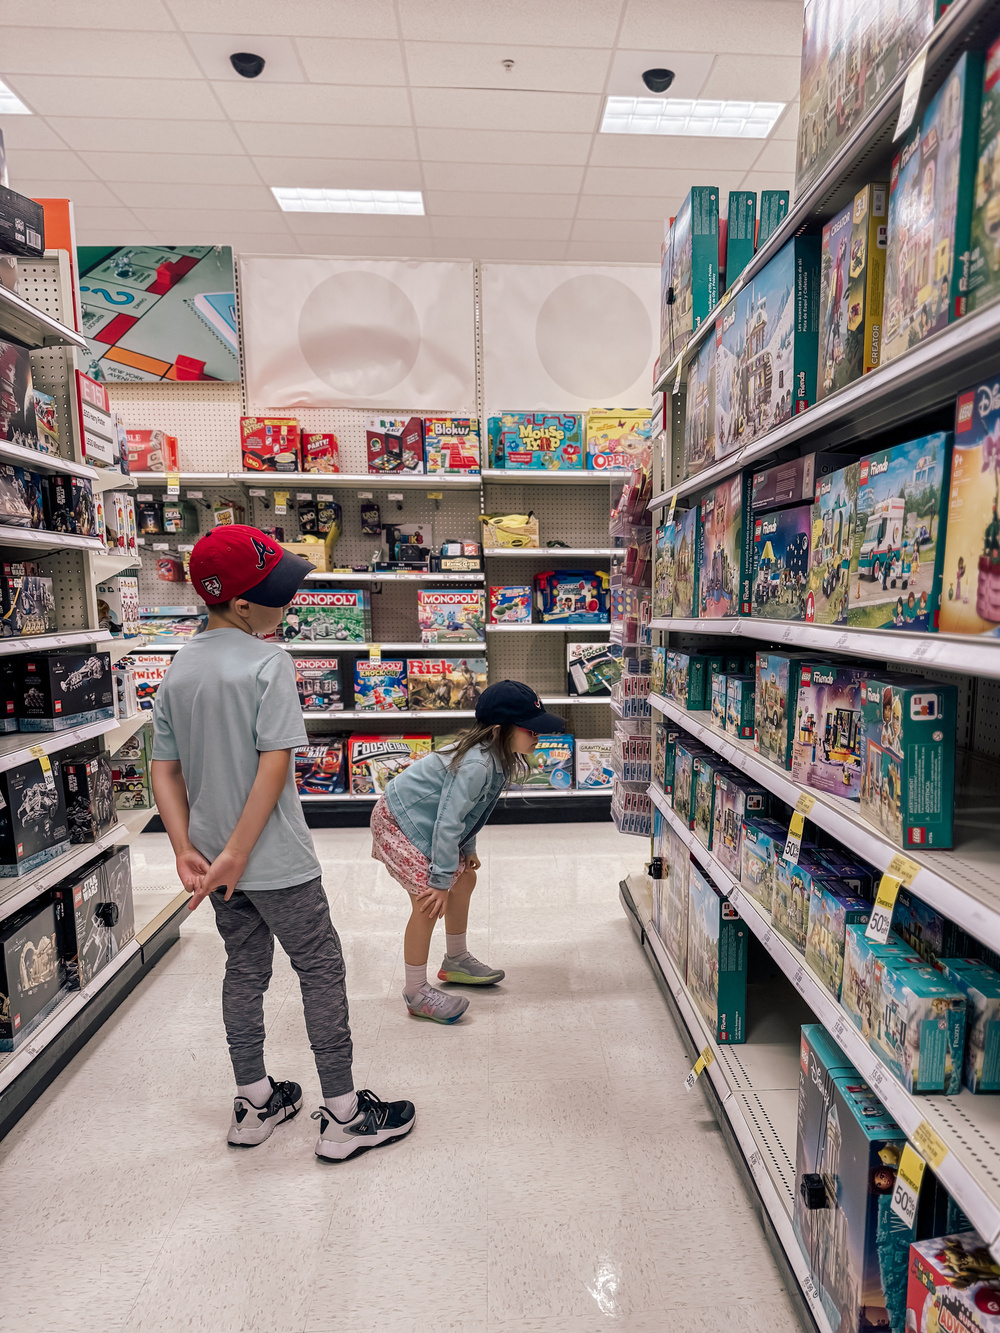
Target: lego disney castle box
x=699 y=409
x=724 y=559
x=970 y=598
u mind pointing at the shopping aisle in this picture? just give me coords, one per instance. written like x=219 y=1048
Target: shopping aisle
x=559 y=1179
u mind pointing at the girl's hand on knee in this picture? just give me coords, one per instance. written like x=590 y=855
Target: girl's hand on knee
x=473 y=862
x=434 y=903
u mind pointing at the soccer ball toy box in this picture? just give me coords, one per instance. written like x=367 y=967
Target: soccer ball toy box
x=781 y=542
x=340 y=614
x=776 y=690
x=689 y=269
x=970 y=599
x=528 y=440
x=954 y=1284
x=724 y=558
x=572 y=596
x=458 y=616
x=592 y=668
x=699 y=409
x=550 y=764
x=375 y=760
x=32 y=974
x=716 y=959
x=851 y=287
x=57 y=691
x=834 y=518
x=439 y=682
x=618 y=441
x=829 y=731
x=33 y=825
x=379 y=686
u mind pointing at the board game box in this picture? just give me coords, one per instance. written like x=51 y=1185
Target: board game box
x=592 y=668
x=317 y=680
x=618 y=441
x=970 y=599
x=549 y=440
x=776 y=683
x=550 y=764
x=455 y=616
x=375 y=760
x=740 y=706
x=687 y=553
x=339 y=614
x=716 y=959
x=898 y=553
x=395 y=444
x=724 y=557
x=954 y=1283
x=852 y=280
x=572 y=596
x=689 y=273
x=829 y=730
x=451 y=444
x=834 y=516
x=741 y=232
x=152 y=451
x=699 y=409
x=766 y=346
x=445 y=682
x=593 y=764
x=930 y=213
x=17 y=405
x=663 y=570
x=379 y=686
x=270 y=444
x=320 y=452
x=510 y=604
x=781 y=541
x=321 y=766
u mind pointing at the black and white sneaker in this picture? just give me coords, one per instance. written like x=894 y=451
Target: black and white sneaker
x=376 y=1124
x=253 y=1124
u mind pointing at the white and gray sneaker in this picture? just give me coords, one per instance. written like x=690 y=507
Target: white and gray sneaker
x=253 y=1124
x=429 y=1002
x=464 y=970
x=375 y=1124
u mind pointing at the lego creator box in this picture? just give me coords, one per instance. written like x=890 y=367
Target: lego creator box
x=984 y=254
x=270 y=444
x=830 y=913
x=852 y=278
x=152 y=451
x=676 y=901
x=32 y=974
x=735 y=800
x=908 y=760
x=780 y=579
x=340 y=614
x=970 y=596
x=954 y=1283
x=793 y=885
x=33 y=825
x=981 y=987
x=321 y=766
x=724 y=558
x=550 y=440
x=593 y=764
x=898 y=555
x=445 y=682
x=27 y=603
x=829 y=731
x=317 y=680
x=62 y=690
x=766 y=344
x=834 y=518
x=90 y=798
x=699 y=409
x=686 y=557
x=510 y=604
x=395 y=444
x=451 y=444
x=457 y=616
x=375 y=760
x=930 y=213
x=618 y=441
x=716 y=959
x=663 y=570
x=762 y=843
x=572 y=596
x=379 y=686
x=689 y=275
x=919 y=1027
x=95 y=916
x=776 y=691
x=592 y=668
x=740 y=706
x=550 y=764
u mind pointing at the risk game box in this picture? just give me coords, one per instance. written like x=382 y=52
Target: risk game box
x=687 y=551
x=342 y=615
x=457 y=616
x=898 y=555
x=32 y=973
x=57 y=691
x=970 y=597
x=954 y=1282
x=724 y=557
x=34 y=827
x=379 y=686
x=834 y=516
x=699 y=409
x=317 y=680
x=270 y=444
x=593 y=764
x=375 y=760
x=781 y=541
x=716 y=959
x=689 y=274
x=445 y=682
x=618 y=441
x=852 y=280
x=829 y=731
x=395 y=444
x=776 y=690
x=510 y=604
x=451 y=444
x=549 y=440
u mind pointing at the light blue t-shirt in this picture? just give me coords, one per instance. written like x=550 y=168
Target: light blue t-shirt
x=226 y=698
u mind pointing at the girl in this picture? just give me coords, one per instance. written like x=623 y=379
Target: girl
x=424 y=832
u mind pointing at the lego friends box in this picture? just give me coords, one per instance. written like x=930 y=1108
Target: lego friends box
x=724 y=558
x=970 y=601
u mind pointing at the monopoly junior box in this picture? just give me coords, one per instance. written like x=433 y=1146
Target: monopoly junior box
x=970 y=597
x=851 y=289
x=452 y=616
x=549 y=440
x=342 y=615
x=716 y=959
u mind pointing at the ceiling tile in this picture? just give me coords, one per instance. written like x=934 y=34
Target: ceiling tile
x=92 y=193
x=352 y=60
x=500 y=146
x=150 y=16
x=102 y=235
x=550 y=24
x=635 y=180
x=213 y=49
x=672 y=151
x=498 y=176
x=314 y=104
x=655 y=208
x=168 y=99
x=148 y=136
x=30 y=134
x=486 y=109
x=162 y=194
x=498 y=251
x=751 y=27
x=609 y=252
x=356 y=224
x=763 y=79
x=512 y=228
x=441 y=203
x=64 y=165
x=110 y=219
x=305 y=18
x=347 y=173
x=177 y=168
x=58 y=50
x=690 y=71
x=778 y=155
x=788 y=126
x=768 y=180
x=641 y=231
x=214 y=225
x=328 y=141
x=456 y=65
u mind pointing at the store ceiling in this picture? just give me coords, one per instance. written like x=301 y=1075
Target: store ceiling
x=140 y=119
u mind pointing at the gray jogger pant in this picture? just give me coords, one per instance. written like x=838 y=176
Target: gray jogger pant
x=300 y=919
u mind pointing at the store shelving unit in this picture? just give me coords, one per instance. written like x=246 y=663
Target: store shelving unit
x=597 y=628
x=40 y=643
x=550 y=552
x=16 y=747
x=543 y=477
x=33 y=326
x=391 y=576
x=39 y=542
x=18 y=456
x=366 y=481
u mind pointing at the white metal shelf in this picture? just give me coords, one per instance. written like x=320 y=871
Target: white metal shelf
x=387 y=714
x=108 y=566
x=530 y=793
x=381 y=481
x=394 y=576
x=962 y=883
x=335 y=646
x=35 y=461
x=979 y=656
x=564 y=699
x=16 y=747
x=122 y=647
x=41 y=643
x=545 y=552
x=40 y=541
x=33 y=327
x=17 y=893
x=542 y=476
x=968 y=1125
x=597 y=626
x=112 y=479
x=127 y=727
x=186 y=478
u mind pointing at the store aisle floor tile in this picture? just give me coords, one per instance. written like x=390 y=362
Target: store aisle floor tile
x=555 y=1161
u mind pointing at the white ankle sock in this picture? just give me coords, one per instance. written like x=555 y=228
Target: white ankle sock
x=456 y=945
x=344 y=1108
x=416 y=976
x=256 y=1093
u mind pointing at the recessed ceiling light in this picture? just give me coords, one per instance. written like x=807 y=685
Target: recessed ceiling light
x=676 y=115
x=349 y=201
x=11 y=104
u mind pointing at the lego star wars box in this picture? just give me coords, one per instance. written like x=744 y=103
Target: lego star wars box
x=689 y=271
x=375 y=760
x=445 y=682
x=780 y=577
x=829 y=739
x=33 y=824
x=834 y=518
x=454 y=616
x=831 y=911
x=618 y=441
x=118 y=606
x=451 y=444
x=69 y=504
x=152 y=451
x=716 y=959
x=981 y=987
x=593 y=764
x=321 y=766
x=510 y=604
x=8 y=696
x=954 y=1283
x=930 y=213
x=739 y=706
x=21 y=503
x=17 y=405
x=32 y=973
x=725 y=557
x=776 y=691
x=341 y=615
x=699 y=409
x=395 y=444
x=970 y=597
x=763 y=841
x=766 y=346
x=852 y=280
x=27 y=602
x=90 y=798
x=908 y=759
x=317 y=680
x=550 y=764
x=593 y=668
x=549 y=440
x=61 y=690
x=687 y=554
x=95 y=915
x=379 y=686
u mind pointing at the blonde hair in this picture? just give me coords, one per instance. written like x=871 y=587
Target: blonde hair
x=514 y=766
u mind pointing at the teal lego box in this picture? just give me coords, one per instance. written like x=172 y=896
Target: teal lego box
x=908 y=759
x=706 y=767
x=735 y=799
x=689 y=270
x=739 y=706
x=859 y=993
x=726 y=556
x=719 y=694
x=687 y=680
x=664 y=754
x=773 y=211
x=687 y=550
x=793 y=886
x=831 y=911
x=776 y=692
x=686 y=753
x=741 y=232
x=716 y=959
x=984 y=254
x=918 y=1028
x=762 y=845
x=981 y=987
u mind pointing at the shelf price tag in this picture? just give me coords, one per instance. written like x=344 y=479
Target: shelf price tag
x=435 y=495
x=880 y=922
x=909 y=1174
x=930 y=1144
x=38 y=752
x=903 y=869
x=673 y=506
x=173 y=484
x=375 y=652
x=793 y=843
x=704 y=1060
x=281 y=502
x=303 y=495
x=911 y=94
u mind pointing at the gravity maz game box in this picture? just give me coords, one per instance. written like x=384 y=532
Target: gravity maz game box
x=549 y=440
x=699 y=410
x=766 y=345
x=716 y=959
x=689 y=270
x=852 y=280
x=970 y=598
x=724 y=560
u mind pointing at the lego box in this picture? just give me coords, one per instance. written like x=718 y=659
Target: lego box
x=675 y=901
x=340 y=614
x=829 y=744
x=793 y=886
x=549 y=440
x=689 y=270
x=687 y=679
x=375 y=760
x=32 y=973
x=455 y=616
x=741 y=232
x=981 y=987
x=919 y=1027
x=984 y=254
x=686 y=754
x=699 y=409
x=90 y=798
x=780 y=578
x=735 y=800
x=687 y=552
x=663 y=570
x=724 y=558
x=152 y=451
x=716 y=959
x=970 y=598
x=740 y=706
x=830 y=913
x=58 y=691
x=852 y=280
x=762 y=843
x=954 y=1283
x=776 y=682
x=379 y=686
x=95 y=915
x=33 y=825
x=445 y=682
x=27 y=602
x=718 y=692
x=270 y=444
x=834 y=517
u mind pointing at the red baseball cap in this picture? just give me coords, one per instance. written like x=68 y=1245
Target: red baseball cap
x=238 y=561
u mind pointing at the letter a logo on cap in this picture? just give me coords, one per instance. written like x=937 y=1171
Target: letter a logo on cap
x=263 y=551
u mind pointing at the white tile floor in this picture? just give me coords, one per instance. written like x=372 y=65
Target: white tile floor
x=559 y=1179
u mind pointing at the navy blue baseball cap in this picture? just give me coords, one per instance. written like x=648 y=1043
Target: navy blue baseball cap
x=511 y=703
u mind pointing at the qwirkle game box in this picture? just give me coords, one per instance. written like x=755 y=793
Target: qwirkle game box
x=689 y=272
x=970 y=597
x=453 y=616
x=445 y=682
x=852 y=279
x=699 y=409
x=833 y=518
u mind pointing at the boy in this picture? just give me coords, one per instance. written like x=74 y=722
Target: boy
x=225 y=725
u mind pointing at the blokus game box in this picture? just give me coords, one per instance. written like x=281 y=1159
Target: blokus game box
x=342 y=615
x=766 y=345
x=451 y=444
x=834 y=516
x=898 y=556
x=699 y=409
x=689 y=271
x=828 y=729
x=780 y=578
x=724 y=558
x=716 y=959
x=852 y=280
x=445 y=682
x=930 y=213
x=984 y=254
x=526 y=440
x=686 y=556
x=375 y=760
x=970 y=598
x=776 y=683
x=456 y=616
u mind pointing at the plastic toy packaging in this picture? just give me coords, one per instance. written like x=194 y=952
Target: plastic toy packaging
x=954 y=1283
x=510 y=530
x=572 y=596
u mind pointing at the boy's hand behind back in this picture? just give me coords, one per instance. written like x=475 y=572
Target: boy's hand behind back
x=191 y=865
x=225 y=872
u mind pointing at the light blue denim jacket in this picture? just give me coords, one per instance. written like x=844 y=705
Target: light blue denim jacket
x=441 y=809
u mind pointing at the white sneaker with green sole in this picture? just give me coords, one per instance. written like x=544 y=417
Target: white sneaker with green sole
x=469 y=971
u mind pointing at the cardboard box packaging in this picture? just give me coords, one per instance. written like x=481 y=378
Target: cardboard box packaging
x=455 y=616
x=762 y=843
x=379 y=686
x=549 y=440
x=829 y=743
x=793 y=886
x=687 y=679
x=984 y=254
x=918 y=1029
x=834 y=521
x=741 y=232
x=687 y=555
x=270 y=444
x=740 y=706
x=27 y=603
x=593 y=764
x=686 y=753
x=152 y=451
x=445 y=682
x=954 y=1283
x=375 y=760
x=321 y=766
x=793 y=481
x=95 y=915
x=735 y=800
x=773 y=211
x=593 y=668
x=675 y=891
x=320 y=452
x=716 y=959
x=724 y=572
x=32 y=974
x=395 y=444
x=689 y=270
x=33 y=824
x=981 y=987
x=90 y=798
x=618 y=441
x=511 y=604
x=860 y=996
x=970 y=597
x=776 y=692
x=831 y=911
x=699 y=409
x=852 y=281
x=780 y=577
x=550 y=764
x=663 y=570
x=317 y=680
x=451 y=444
x=58 y=691
x=342 y=615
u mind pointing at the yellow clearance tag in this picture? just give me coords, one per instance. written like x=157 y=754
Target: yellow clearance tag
x=880 y=921
x=909 y=1174
x=793 y=843
x=375 y=653
x=38 y=752
x=435 y=495
x=929 y=1143
x=173 y=484
x=903 y=869
x=281 y=502
x=805 y=803
x=673 y=506
x=702 y=1063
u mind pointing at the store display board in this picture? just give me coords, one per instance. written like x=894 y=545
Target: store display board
x=326 y=332
x=563 y=337
x=158 y=313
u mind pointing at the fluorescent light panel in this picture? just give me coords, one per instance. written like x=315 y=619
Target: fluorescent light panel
x=10 y=103
x=349 y=201
x=676 y=115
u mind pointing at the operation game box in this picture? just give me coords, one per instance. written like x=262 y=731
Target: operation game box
x=618 y=441
x=852 y=281
x=699 y=409
x=970 y=598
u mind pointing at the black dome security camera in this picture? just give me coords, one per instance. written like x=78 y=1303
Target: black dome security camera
x=249 y=65
x=656 y=80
